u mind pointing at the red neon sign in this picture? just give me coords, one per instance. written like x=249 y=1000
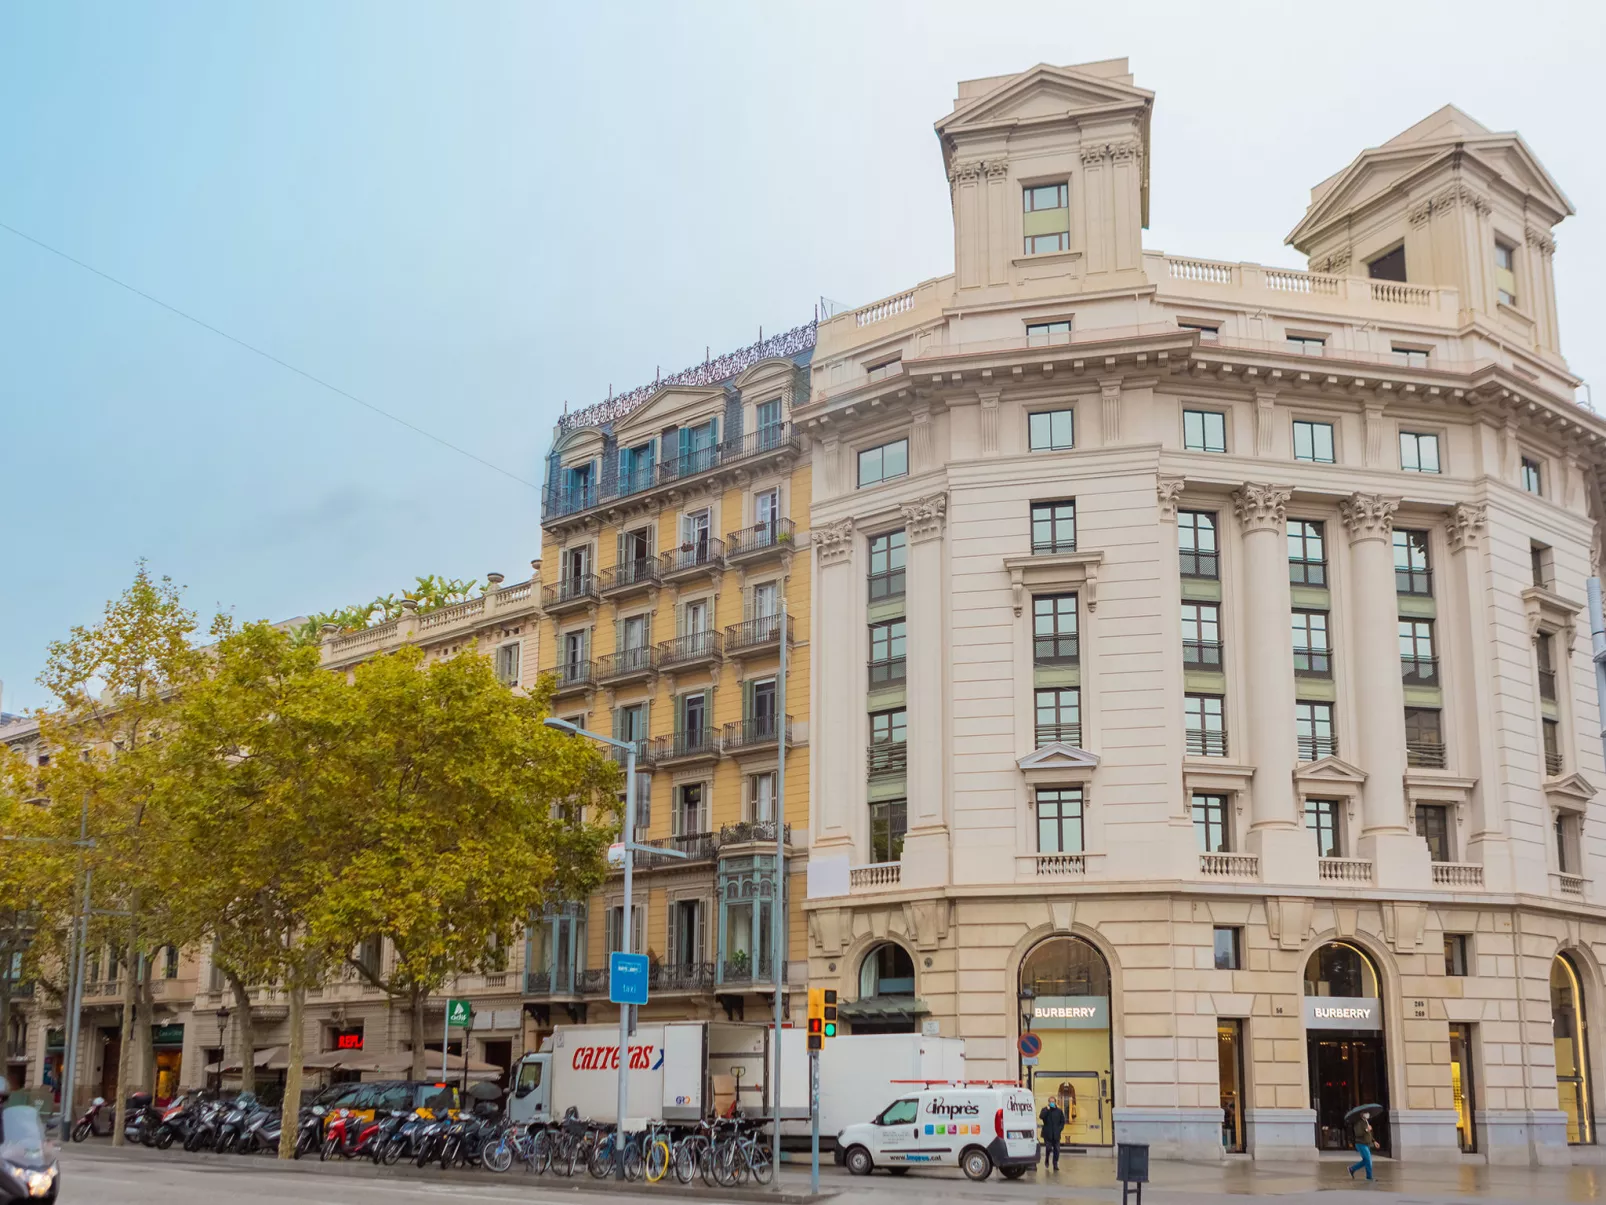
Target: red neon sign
x=350 y=1040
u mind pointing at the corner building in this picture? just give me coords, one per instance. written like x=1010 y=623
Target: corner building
x=1202 y=696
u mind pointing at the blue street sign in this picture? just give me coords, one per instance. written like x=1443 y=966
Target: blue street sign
x=627 y=978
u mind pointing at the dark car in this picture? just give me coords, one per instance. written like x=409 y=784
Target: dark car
x=28 y=1170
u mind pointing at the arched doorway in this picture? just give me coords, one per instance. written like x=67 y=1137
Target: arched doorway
x=1569 y=1024
x=1344 y=1043
x=886 y=1002
x=1065 y=1004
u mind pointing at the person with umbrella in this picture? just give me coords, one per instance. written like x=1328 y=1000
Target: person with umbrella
x=1361 y=1130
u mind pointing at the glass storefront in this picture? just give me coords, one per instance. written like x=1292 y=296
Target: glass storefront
x=1230 y=1055
x=1065 y=1002
x=1462 y=1088
x=1345 y=1050
x=1571 y=1034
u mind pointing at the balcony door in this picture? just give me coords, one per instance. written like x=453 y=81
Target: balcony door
x=687 y=932
x=761 y=709
x=766 y=513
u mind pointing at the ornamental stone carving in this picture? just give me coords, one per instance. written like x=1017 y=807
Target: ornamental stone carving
x=996 y=169
x=1093 y=155
x=1169 y=490
x=834 y=541
x=1464 y=525
x=1333 y=264
x=924 y=517
x=1262 y=507
x=1538 y=238
x=964 y=173
x=1368 y=516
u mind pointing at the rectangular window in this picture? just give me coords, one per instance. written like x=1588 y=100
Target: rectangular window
x=1456 y=955
x=1054 y=640
x=1054 y=526
x=1307 y=553
x=636 y=467
x=761 y=797
x=1210 y=828
x=1539 y=563
x=1037 y=244
x=1411 y=357
x=1313 y=655
x=1418 y=664
x=884 y=463
x=638 y=927
x=1052 y=430
x=686 y=934
x=1551 y=731
x=1412 y=573
x=1201 y=635
x=1059 y=716
x=1196 y=544
x=1229 y=941
x=1205 y=725
x=886 y=565
x=889 y=750
x=1059 y=821
x=1313 y=442
x=1532 y=476
x=1419 y=452
x=1042 y=197
x=1046 y=219
x=1424 y=738
x=1321 y=818
x=1207 y=334
x=885 y=369
x=630 y=723
x=1313 y=731
x=169 y=964
x=1433 y=826
x=693 y=720
x=691 y=812
x=887 y=666
x=507 y=664
x=1041 y=334
x=1388 y=266
x=889 y=820
x=1566 y=861
x=1204 y=431
x=767 y=418
x=1544 y=654
x=1306 y=345
x=1505 y=273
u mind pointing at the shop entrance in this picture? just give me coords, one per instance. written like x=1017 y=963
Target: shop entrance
x=1345 y=1047
x=1065 y=1001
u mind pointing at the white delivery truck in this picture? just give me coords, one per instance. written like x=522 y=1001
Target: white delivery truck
x=679 y=1071
x=859 y=1074
x=974 y=1127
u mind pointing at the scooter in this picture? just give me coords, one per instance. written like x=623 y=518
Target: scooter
x=309 y=1134
x=142 y=1120
x=177 y=1119
x=89 y=1123
x=233 y=1125
x=204 y=1127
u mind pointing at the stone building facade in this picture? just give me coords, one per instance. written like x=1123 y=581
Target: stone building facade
x=1204 y=720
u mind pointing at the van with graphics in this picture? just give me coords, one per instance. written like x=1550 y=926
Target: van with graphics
x=975 y=1128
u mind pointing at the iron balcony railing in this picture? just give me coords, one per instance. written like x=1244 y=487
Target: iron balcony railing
x=644 y=752
x=688 y=742
x=591 y=982
x=1426 y=755
x=768 y=440
x=756 y=731
x=746 y=832
x=573 y=675
x=570 y=591
x=749 y=970
x=630 y=575
x=689 y=976
x=888 y=584
x=698 y=847
x=773 y=535
x=1307 y=573
x=1069 y=734
x=1314 y=748
x=693 y=556
x=1419 y=671
x=1200 y=564
x=559 y=982
x=890 y=671
x=1202 y=653
x=627 y=663
x=1553 y=763
x=755 y=633
x=1052 y=547
x=887 y=759
x=1313 y=663
x=693 y=646
x=1206 y=742
x=1413 y=581
x=1056 y=650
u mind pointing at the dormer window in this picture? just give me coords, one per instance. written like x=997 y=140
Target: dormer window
x=1505 y=273
x=1047 y=218
x=1388 y=266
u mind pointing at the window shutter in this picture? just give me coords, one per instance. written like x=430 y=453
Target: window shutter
x=747 y=700
x=698 y=954
x=620 y=556
x=684 y=435
x=672 y=938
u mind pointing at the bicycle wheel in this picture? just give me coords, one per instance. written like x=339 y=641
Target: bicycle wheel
x=635 y=1163
x=657 y=1161
x=541 y=1153
x=497 y=1156
x=685 y=1159
x=727 y=1166
x=758 y=1160
x=599 y=1159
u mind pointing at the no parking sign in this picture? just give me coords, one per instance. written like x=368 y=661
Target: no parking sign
x=1030 y=1045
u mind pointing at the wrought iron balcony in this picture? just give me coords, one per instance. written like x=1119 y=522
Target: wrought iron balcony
x=746 y=832
x=742 y=971
x=887 y=759
x=692 y=558
x=627 y=664
x=689 y=744
x=570 y=593
x=753 y=635
x=1554 y=764
x=1201 y=654
x=681 y=977
x=756 y=732
x=1069 y=734
x=698 y=847
x=1419 y=671
x=769 y=538
x=591 y=983
x=890 y=671
x=644 y=754
x=574 y=675
x=1206 y=742
x=1314 y=748
x=630 y=576
x=1056 y=650
x=559 y=982
x=1427 y=755
x=694 y=648
x=1200 y=564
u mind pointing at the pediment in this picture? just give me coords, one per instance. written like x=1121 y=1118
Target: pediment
x=1058 y=755
x=1333 y=770
x=1043 y=93
x=1573 y=788
x=776 y=370
x=578 y=444
x=672 y=405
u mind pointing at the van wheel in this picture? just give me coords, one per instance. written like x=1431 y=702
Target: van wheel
x=1012 y=1173
x=859 y=1161
x=976 y=1163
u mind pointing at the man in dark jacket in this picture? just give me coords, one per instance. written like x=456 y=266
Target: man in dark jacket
x=1053 y=1122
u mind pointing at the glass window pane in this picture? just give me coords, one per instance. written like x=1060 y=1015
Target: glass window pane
x=896 y=461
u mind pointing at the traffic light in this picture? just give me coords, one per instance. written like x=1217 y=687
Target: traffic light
x=822 y=1016
x=829 y=1012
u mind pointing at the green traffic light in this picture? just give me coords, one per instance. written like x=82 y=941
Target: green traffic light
x=830 y=1029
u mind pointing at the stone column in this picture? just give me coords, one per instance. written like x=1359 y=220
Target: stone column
x=1276 y=830
x=836 y=692
x=925 y=846
x=1400 y=859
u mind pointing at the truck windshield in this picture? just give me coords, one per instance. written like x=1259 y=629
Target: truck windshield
x=899 y=1113
x=529 y=1078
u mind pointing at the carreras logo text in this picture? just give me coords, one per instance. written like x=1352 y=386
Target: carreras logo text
x=606 y=1058
x=1342 y=1014
x=964 y=1109
x=1078 y=1010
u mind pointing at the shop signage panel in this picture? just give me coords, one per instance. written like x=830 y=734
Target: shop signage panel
x=1070 y=1012
x=1343 y=1012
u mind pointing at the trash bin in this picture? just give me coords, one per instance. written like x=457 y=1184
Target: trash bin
x=1132 y=1167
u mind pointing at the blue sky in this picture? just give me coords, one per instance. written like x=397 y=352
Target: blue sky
x=470 y=213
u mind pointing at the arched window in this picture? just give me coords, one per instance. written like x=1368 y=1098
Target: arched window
x=1572 y=1049
x=1065 y=966
x=887 y=970
x=1338 y=969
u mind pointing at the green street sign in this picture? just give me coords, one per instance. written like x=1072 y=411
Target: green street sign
x=457 y=1012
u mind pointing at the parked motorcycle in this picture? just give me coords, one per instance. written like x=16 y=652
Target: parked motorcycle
x=142 y=1119
x=233 y=1125
x=89 y=1123
x=204 y=1127
x=309 y=1132
x=177 y=1119
x=261 y=1132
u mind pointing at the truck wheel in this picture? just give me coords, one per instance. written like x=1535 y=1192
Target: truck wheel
x=976 y=1163
x=1012 y=1173
x=860 y=1163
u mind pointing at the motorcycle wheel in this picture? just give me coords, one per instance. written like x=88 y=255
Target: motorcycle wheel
x=164 y=1138
x=327 y=1151
x=225 y=1140
x=393 y=1150
x=303 y=1143
x=81 y=1131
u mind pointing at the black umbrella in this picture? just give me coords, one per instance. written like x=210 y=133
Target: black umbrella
x=485 y=1090
x=1357 y=1109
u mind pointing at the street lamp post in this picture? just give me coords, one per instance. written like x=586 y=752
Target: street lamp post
x=629 y=843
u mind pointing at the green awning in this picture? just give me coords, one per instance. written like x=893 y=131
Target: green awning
x=883 y=1008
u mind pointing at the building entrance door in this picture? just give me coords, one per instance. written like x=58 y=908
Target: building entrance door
x=1347 y=1070
x=1065 y=1002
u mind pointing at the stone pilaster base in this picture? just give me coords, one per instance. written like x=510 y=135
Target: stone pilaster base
x=1524 y=1137
x=1424 y=1135
x=1179 y=1133
x=1282 y=1135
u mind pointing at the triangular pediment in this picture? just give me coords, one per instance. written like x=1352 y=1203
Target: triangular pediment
x=1058 y=755
x=1043 y=93
x=1329 y=770
x=1574 y=787
x=671 y=405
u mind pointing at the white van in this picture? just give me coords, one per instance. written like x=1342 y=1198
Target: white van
x=974 y=1128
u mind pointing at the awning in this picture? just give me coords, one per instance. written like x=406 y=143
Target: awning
x=277 y=1058
x=401 y=1063
x=883 y=1008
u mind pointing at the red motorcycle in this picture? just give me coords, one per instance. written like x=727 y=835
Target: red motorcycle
x=349 y=1135
x=90 y=1122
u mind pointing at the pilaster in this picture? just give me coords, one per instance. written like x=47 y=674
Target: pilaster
x=925 y=846
x=837 y=675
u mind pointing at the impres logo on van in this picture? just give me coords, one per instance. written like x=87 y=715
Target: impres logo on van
x=953 y=1109
x=1020 y=1105
x=606 y=1058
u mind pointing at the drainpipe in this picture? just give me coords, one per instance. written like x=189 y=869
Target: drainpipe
x=1597 y=639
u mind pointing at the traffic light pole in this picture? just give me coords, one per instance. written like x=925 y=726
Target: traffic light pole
x=814 y=1121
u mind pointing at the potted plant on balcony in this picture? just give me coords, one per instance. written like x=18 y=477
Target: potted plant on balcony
x=739 y=964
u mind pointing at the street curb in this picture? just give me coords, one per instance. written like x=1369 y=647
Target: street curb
x=366 y=1169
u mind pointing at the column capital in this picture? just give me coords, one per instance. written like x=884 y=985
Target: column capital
x=834 y=540
x=925 y=517
x=1262 y=507
x=1368 y=516
x=1464 y=525
x=1169 y=490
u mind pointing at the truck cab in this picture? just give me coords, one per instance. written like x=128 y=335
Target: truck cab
x=530 y=1098
x=974 y=1128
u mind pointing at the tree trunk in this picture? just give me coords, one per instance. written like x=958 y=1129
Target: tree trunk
x=146 y=1031
x=125 y=1053
x=291 y=1114
x=245 y=1034
x=5 y=1016
x=416 y=1000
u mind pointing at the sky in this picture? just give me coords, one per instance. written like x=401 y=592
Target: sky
x=469 y=215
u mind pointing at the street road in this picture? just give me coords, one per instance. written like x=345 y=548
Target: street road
x=94 y=1174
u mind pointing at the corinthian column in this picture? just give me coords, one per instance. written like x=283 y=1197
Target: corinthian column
x=836 y=694
x=1399 y=859
x=925 y=846
x=1276 y=830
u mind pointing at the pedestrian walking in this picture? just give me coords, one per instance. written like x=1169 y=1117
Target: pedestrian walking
x=1361 y=1130
x=1052 y=1119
